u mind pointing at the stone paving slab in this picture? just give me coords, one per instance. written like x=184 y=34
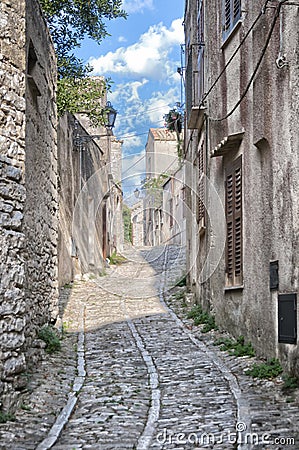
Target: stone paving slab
x=150 y=383
x=274 y=414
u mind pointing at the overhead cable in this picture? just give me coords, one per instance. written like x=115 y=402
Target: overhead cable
x=257 y=65
x=262 y=11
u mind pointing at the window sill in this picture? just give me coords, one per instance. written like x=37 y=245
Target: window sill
x=232 y=32
x=234 y=288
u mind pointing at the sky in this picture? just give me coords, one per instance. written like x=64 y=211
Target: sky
x=141 y=57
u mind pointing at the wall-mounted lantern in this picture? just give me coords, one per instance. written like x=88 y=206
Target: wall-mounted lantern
x=111 y=114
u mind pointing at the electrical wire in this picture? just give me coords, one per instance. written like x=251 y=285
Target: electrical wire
x=234 y=53
x=133 y=165
x=277 y=13
x=127 y=136
x=142 y=112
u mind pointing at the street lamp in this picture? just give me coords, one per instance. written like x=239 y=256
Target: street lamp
x=109 y=124
x=111 y=116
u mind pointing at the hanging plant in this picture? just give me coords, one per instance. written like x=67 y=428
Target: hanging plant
x=173 y=121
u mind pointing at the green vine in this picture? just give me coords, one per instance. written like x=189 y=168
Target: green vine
x=69 y=23
x=153 y=187
x=83 y=95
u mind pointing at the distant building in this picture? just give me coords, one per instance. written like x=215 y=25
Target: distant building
x=174 y=210
x=138 y=223
x=161 y=158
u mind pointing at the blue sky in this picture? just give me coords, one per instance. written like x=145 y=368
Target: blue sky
x=141 y=56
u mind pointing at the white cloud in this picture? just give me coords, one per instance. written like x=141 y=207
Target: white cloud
x=134 y=6
x=122 y=39
x=136 y=115
x=159 y=104
x=146 y=58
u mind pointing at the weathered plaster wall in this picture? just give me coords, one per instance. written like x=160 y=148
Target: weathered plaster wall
x=161 y=157
x=116 y=197
x=28 y=204
x=268 y=115
x=83 y=185
x=270 y=176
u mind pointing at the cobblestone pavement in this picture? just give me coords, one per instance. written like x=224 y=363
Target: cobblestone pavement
x=148 y=378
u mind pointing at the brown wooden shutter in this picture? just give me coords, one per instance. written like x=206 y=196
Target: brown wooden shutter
x=231 y=15
x=200 y=216
x=234 y=238
x=171 y=212
x=227 y=15
x=237 y=11
x=200 y=49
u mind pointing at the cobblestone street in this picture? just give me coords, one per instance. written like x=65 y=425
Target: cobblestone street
x=134 y=373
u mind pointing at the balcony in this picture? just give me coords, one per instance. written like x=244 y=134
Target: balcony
x=195 y=110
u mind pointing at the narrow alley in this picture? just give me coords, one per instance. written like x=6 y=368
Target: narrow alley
x=132 y=374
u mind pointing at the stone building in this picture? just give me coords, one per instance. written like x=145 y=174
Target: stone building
x=161 y=159
x=116 y=196
x=81 y=181
x=90 y=197
x=137 y=219
x=241 y=150
x=173 y=209
x=28 y=190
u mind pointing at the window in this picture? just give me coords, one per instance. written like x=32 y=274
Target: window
x=233 y=211
x=274 y=276
x=231 y=15
x=200 y=216
x=200 y=41
x=171 y=212
x=195 y=62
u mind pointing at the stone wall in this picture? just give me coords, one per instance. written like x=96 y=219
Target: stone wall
x=116 y=196
x=13 y=306
x=83 y=189
x=28 y=203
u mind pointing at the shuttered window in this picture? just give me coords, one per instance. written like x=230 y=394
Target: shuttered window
x=200 y=49
x=231 y=15
x=171 y=212
x=233 y=209
x=200 y=213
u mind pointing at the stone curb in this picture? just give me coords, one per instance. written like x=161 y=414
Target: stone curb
x=66 y=412
x=244 y=420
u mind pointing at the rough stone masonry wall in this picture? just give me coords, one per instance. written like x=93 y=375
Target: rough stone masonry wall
x=28 y=205
x=12 y=195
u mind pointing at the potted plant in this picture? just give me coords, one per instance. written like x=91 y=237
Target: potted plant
x=173 y=121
